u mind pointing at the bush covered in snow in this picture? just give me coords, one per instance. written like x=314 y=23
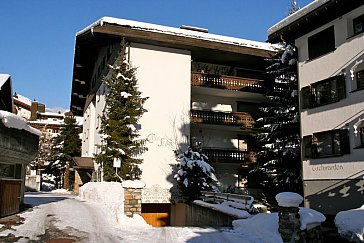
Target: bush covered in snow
x=194 y=174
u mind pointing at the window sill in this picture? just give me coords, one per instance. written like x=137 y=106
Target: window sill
x=322 y=55
x=356 y=90
x=359 y=147
x=354 y=35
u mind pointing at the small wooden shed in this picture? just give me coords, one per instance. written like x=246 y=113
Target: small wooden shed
x=83 y=168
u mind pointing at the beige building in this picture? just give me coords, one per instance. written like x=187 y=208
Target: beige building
x=204 y=89
x=330 y=41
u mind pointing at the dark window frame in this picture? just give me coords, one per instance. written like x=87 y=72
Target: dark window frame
x=358 y=25
x=324 y=92
x=311 y=144
x=321 y=43
x=359 y=79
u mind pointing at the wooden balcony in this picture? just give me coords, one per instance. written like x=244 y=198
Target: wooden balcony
x=241 y=119
x=226 y=156
x=227 y=82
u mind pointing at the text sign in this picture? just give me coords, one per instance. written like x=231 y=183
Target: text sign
x=117 y=163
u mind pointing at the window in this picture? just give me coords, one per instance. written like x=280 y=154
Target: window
x=360 y=79
x=358 y=24
x=362 y=136
x=10 y=171
x=321 y=43
x=328 y=143
x=109 y=52
x=323 y=92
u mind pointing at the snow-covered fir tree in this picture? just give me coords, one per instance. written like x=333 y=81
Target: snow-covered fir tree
x=194 y=174
x=66 y=145
x=279 y=161
x=45 y=151
x=124 y=107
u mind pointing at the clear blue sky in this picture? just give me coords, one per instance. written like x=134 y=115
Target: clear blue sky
x=37 y=36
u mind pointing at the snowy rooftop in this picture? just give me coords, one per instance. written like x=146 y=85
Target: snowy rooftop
x=3 y=78
x=11 y=120
x=297 y=15
x=179 y=32
x=23 y=99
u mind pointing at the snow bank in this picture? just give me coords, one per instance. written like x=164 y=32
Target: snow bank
x=350 y=224
x=225 y=207
x=14 y=121
x=259 y=228
x=60 y=191
x=310 y=218
x=111 y=195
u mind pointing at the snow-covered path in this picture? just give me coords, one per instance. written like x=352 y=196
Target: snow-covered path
x=65 y=217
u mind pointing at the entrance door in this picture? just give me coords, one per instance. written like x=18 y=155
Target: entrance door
x=157 y=214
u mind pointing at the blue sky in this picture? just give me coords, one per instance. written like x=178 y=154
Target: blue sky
x=37 y=36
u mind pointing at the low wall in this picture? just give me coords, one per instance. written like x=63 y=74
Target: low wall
x=197 y=215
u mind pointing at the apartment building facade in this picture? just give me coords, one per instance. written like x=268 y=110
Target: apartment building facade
x=203 y=90
x=330 y=42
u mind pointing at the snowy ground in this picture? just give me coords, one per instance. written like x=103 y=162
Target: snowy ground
x=63 y=216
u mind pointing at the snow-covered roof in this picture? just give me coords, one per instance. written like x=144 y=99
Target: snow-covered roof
x=297 y=15
x=14 y=121
x=23 y=99
x=47 y=113
x=179 y=32
x=3 y=78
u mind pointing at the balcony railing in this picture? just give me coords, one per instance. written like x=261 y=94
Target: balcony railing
x=241 y=119
x=226 y=156
x=227 y=82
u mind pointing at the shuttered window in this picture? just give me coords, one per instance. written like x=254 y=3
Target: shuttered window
x=360 y=79
x=321 y=43
x=328 y=143
x=323 y=92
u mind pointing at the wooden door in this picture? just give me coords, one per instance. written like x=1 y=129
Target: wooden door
x=156 y=214
x=10 y=191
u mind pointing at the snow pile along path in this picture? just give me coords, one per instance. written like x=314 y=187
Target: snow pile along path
x=350 y=224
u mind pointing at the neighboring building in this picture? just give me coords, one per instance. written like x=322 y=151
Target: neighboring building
x=329 y=36
x=18 y=146
x=218 y=80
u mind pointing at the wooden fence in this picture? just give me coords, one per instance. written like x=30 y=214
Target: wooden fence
x=10 y=193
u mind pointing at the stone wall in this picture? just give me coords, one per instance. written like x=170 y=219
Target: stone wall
x=133 y=201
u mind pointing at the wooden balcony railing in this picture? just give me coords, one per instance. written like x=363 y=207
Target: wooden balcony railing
x=226 y=156
x=241 y=119
x=227 y=82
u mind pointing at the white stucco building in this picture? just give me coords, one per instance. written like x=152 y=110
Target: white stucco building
x=330 y=41
x=202 y=88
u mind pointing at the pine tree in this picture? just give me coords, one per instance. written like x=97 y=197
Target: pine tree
x=194 y=174
x=67 y=145
x=45 y=151
x=124 y=107
x=279 y=161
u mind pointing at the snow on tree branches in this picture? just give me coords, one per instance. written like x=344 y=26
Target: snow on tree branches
x=279 y=157
x=194 y=174
x=119 y=133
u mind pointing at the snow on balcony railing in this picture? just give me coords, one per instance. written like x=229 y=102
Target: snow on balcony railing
x=227 y=82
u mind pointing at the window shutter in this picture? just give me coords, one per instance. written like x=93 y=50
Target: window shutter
x=344 y=141
x=306 y=97
x=340 y=85
x=307 y=146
